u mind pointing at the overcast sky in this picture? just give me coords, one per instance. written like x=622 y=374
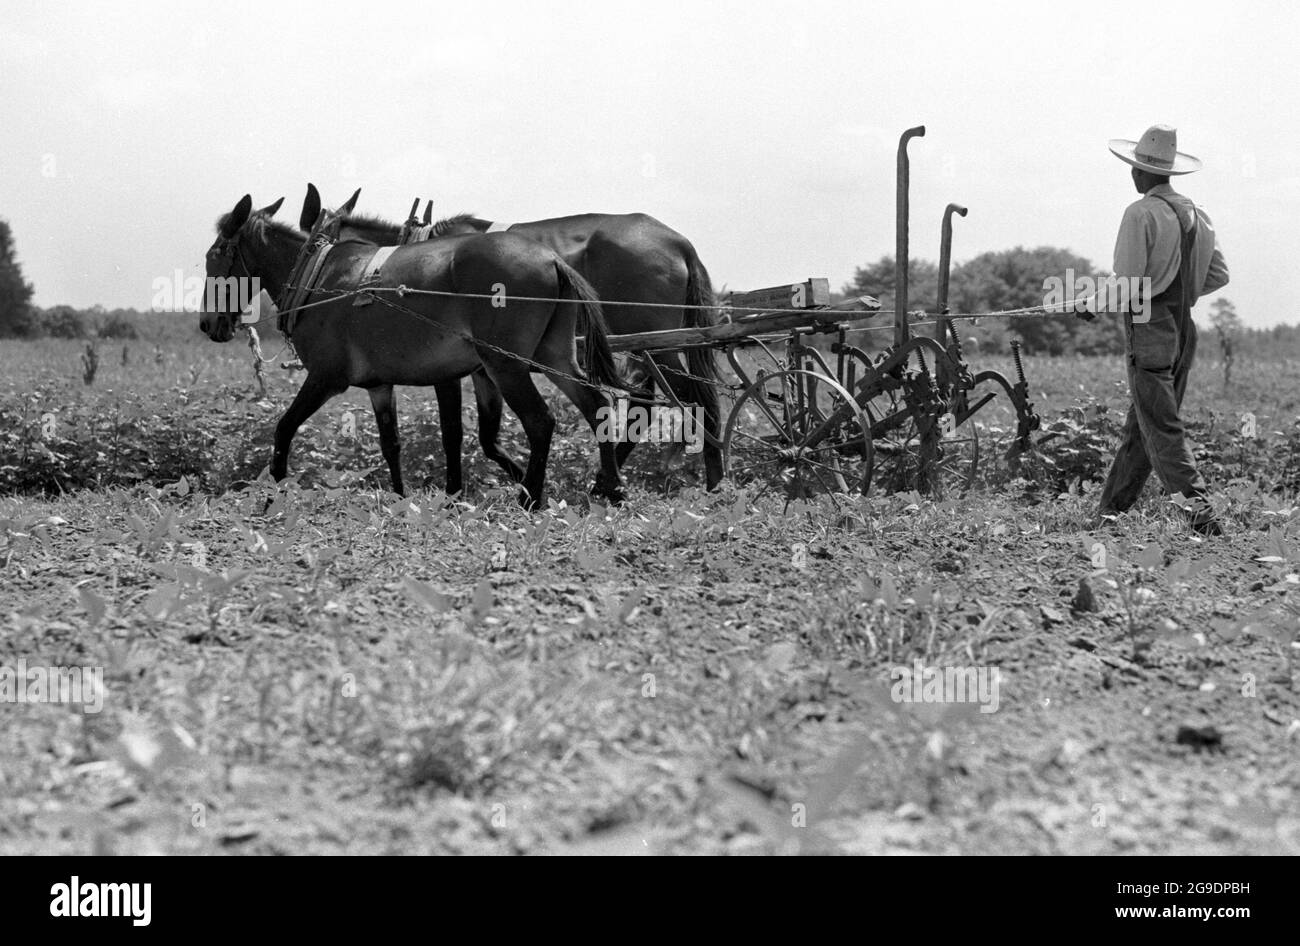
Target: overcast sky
x=765 y=132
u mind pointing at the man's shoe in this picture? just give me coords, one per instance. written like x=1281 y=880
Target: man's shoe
x=1201 y=517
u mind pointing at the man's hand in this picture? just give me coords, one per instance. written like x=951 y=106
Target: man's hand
x=1082 y=310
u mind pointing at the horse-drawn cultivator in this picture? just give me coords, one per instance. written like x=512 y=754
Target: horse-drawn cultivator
x=810 y=412
x=833 y=418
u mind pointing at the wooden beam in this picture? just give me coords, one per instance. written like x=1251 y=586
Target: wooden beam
x=740 y=327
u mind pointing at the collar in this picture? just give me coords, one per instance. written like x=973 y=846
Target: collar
x=1161 y=190
x=302 y=281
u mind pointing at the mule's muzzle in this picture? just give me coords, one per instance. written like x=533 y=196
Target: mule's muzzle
x=218 y=326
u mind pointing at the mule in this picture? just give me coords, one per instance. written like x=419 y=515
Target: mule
x=427 y=339
x=628 y=258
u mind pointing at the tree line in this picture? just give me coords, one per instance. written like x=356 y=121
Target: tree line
x=990 y=282
x=1013 y=279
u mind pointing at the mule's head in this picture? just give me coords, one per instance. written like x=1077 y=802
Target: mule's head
x=235 y=264
x=346 y=224
x=312 y=208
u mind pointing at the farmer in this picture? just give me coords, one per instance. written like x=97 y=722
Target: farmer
x=1168 y=240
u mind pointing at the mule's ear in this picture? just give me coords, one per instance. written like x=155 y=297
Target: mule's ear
x=270 y=209
x=238 y=217
x=310 y=209
x=351 y=205
x=428 y=213
x=415 y=207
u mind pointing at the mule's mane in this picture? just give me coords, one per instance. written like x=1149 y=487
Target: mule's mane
x=441 y=228
x=260 y=227
x=368 y=222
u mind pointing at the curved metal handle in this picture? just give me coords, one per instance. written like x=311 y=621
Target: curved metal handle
x=944 y=327
x=901 y=235
x=945 y=252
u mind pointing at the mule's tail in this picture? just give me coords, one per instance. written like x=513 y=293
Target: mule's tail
x=700 y=361
x=598 y=357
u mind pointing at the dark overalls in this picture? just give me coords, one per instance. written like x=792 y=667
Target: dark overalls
x=1160 y=355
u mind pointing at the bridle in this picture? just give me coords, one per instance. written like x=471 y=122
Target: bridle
x=230 y=250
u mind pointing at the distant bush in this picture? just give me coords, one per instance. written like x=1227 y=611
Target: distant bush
x=63 y=321
x=117 y=326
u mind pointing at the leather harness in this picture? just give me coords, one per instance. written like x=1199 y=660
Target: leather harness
x=371 y=274
x=311 y=262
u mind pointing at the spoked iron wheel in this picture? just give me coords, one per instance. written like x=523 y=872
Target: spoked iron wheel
x=799 y=431
x=945 y=466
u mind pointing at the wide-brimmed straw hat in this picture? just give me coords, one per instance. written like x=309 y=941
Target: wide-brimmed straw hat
x=1157 y=152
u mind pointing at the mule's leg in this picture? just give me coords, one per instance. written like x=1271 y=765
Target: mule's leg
x=641 y=385
x=516 y=386
x=452 y=429
x=314 y=392
x=705 y=394
x=489 y=425
x=589 y=402
x=670 y=366
x=385 y=405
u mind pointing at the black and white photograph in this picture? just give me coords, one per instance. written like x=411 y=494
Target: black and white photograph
x=651 y=428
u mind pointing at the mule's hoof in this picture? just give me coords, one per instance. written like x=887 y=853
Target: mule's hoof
x=614 y=495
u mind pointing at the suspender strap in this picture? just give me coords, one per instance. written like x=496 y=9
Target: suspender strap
x=1187 y=260
x=1184 y=230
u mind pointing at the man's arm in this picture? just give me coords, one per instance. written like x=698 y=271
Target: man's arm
x=1217 y=275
